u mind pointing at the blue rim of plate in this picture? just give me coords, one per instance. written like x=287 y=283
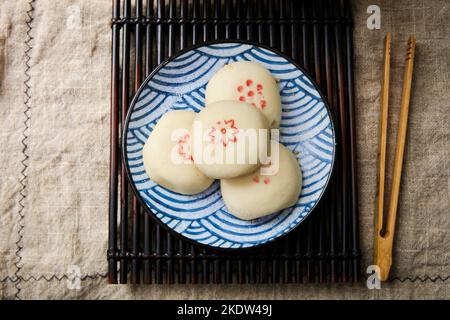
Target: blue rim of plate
x=158 y=217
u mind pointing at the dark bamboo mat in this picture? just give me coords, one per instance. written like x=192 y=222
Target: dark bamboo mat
x=318 y=35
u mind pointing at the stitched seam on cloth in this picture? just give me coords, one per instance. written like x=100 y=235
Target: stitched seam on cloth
x=24 y=141
x=412 y=279
x=424 y=278
x=57 y=277
x=8 y=278
x=64 y=276
x=60 y=277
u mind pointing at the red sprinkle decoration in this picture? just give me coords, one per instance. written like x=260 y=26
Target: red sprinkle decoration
x=263 y=104
x=266 y=180
x=183 y=147
x=249 y=94
x=256 y=179
x=228 y=132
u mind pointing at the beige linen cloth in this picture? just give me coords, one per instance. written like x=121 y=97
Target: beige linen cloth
x=54 y=137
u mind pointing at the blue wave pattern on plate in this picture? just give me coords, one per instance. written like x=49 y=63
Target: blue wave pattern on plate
x=306 y=129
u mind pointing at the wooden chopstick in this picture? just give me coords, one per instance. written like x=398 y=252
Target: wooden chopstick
x=383 y=242
x=382 y=140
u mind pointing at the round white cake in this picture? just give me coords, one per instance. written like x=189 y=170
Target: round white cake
x=168 y=157
x=256 y=195
x=229 y=139
x=249 y=82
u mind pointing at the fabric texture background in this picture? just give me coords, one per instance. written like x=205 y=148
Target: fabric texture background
x=54 y=132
